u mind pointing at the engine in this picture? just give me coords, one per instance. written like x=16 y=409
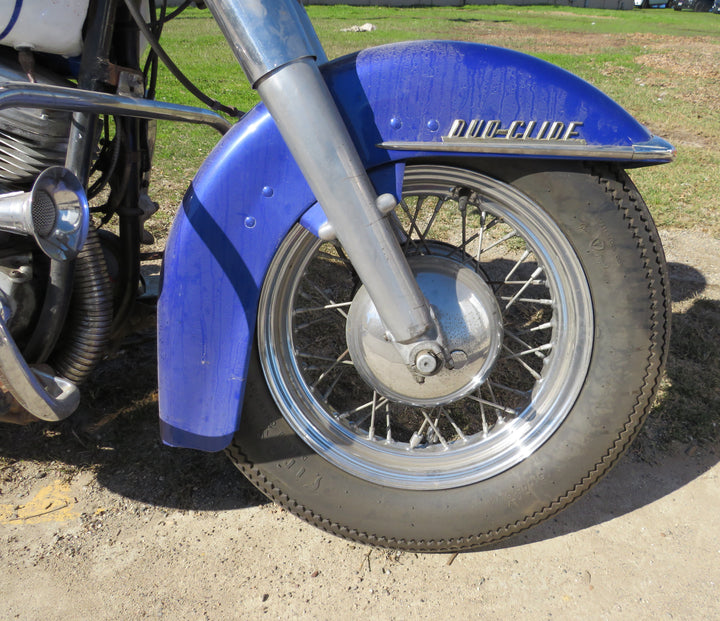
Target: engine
x=31 y=140
x=33 y=144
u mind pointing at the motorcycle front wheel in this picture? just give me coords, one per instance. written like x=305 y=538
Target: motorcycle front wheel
x=563 y=264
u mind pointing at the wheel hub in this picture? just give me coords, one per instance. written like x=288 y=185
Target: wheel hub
x=470 y=320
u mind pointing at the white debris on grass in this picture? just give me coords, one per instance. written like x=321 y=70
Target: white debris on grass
x=367 y=27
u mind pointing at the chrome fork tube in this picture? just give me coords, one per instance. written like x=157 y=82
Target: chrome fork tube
x=307 y=118
x=279 y=51
x=266 y=34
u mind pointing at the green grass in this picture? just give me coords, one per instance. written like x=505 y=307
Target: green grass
x=446 y=21
x=608 y=48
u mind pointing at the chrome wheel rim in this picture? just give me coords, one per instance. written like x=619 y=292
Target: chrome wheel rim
x=544 y=300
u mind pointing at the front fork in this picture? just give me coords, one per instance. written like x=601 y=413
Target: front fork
x=280 y=53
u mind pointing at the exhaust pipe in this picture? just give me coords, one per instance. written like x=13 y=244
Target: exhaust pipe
x=42 y=394
x=55 y=212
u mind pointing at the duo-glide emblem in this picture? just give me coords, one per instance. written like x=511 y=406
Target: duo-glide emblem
x=533 y=138
x=479 y=129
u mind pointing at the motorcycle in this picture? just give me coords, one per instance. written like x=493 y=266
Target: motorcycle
x=414 y=293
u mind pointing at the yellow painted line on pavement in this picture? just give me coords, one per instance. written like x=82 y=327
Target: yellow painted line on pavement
x=53 y=503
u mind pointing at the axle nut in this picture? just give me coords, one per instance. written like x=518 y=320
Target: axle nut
x=426 y=362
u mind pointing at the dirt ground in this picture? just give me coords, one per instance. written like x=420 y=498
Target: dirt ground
x=100 y=521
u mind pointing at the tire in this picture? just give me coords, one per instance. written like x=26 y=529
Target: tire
x=574 y=262
x=702 y=6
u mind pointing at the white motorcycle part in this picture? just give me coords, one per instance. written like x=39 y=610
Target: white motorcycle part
x=42 y=26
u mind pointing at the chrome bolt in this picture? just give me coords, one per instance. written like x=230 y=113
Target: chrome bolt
x=426 y=362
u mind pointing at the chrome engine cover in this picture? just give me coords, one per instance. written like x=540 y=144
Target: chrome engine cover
x=31 y=140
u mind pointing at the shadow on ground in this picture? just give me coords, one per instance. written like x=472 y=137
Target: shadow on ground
x=115 y=432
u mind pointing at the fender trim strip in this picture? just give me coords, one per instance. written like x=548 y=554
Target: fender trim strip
x=655 y=150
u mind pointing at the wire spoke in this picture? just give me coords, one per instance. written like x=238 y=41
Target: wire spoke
x=412 y=217
x=330 y=301
x=496 y=406
x=371 y=427
x=465 y=241
x=388 y=436
x=335 y=258
x=529 y=349
x=485 y=426
x=334 y=364
x=436 y=210
x=528 y=282
x=502 y=240
x=332 y=306
x=465 y=244
x=493 y=398
x=323 y=319
x=398 y=228
x=449 y=419
x=514 y=391
x=481 y=234
x=413 y=223
x=520 y=361
x=543 y=326
x=304 y=354
x=417 y=436
x=518 y=263
x=328 y=392
x=541 y=301
x=361 y=408
x=522 y=282
x=435 y=430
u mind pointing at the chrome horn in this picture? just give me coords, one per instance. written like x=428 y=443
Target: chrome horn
x=55 y=212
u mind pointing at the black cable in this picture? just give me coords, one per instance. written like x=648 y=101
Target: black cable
x=161 y=20
x=150 y=70
x=174 y=69
x=97 y=187
x=177 y=11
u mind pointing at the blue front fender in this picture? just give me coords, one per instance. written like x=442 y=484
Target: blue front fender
x=414 y=99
